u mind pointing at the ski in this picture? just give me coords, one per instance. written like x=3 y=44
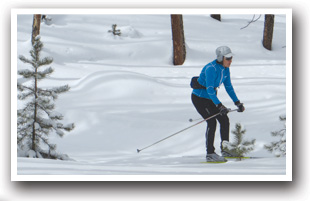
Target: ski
x=231 y=159
x=242 y=157
x=214 y=162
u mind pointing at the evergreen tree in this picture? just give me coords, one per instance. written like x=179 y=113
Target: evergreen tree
x=278 y=148
x=239 y=147
x=116 y=32
x=37 y=119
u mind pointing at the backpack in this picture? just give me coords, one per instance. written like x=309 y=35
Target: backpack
x=195 y=84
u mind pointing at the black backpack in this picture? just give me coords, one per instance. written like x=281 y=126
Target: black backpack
x=195 y=84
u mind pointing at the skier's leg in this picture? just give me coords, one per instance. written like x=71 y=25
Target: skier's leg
x=206 y=108
x=211 y=107
x=224 y=127
x=210 y=133
x=201 y=105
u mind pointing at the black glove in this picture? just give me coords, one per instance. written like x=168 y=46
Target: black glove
x=222 y=109
x=240 y=106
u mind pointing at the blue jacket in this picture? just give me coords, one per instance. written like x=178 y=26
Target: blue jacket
x=212 y=76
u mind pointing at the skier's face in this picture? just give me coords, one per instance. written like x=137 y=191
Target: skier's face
x=227 y=62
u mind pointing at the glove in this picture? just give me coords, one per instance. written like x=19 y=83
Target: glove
x=222 y=109
x=240 y=106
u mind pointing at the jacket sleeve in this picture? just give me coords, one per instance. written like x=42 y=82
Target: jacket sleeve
x=230 y=89
x=210 y=74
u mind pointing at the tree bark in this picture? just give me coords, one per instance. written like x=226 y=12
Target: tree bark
x=179 y=50
x=35 y=27
x=268 y=31
x=216 y=16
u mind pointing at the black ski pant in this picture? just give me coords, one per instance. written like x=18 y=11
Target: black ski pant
x=206 y=108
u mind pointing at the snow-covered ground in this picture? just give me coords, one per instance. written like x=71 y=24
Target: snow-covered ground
x=126 y=94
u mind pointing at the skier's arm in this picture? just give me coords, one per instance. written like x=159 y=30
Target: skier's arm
x=230 y=89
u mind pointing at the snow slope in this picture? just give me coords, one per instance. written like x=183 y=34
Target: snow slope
x=126 y=94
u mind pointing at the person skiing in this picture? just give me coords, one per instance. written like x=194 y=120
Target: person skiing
x=206 y=102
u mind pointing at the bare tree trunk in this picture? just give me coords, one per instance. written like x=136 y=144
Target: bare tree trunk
x=179 y=51
x=35 y=27
x=216 y=16
x=268 y=31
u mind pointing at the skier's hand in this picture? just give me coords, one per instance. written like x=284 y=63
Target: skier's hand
x=240 y=106
x=222 y=109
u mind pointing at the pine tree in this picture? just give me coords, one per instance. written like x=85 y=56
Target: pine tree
x=37 y=119
x=116 y=32
x=239 y=147
x=278 y=148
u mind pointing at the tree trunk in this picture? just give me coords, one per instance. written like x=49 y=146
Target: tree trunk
x=35 y=27
x=216 y=16
x=179 y=51
x=268 y=31
x=33 y=146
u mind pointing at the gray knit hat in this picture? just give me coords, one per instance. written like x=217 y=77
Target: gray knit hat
x=223 y=51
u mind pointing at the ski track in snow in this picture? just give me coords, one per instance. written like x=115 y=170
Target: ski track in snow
x=151 y=166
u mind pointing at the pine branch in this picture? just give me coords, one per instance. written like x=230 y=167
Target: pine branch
x=42 y=74
x=69 y=127
x=21 y=137
x=21 y=88
x=278 y=148
x=24 y=96
x=282 y=118
x=26 y=73
x=25 y=60
x=55 y=116
x=45 y=61
x=45 y=105
x=62 y=89
x=46 y=142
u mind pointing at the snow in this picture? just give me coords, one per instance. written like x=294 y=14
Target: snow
x=126 y=94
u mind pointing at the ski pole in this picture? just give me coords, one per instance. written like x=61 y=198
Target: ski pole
x=191 y=120
x=206 y=119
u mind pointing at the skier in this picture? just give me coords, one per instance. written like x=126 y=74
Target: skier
x=206 y=102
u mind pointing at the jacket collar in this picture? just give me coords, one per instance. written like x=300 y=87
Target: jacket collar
x=220 y=66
